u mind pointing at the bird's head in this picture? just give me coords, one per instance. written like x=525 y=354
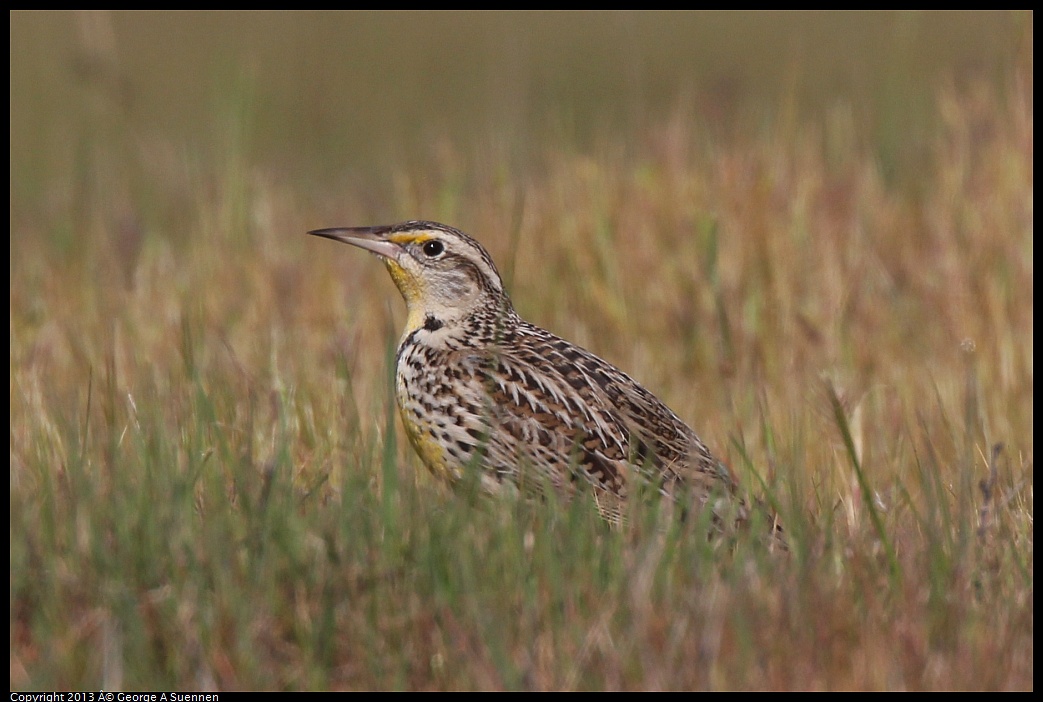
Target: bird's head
x=442 y=273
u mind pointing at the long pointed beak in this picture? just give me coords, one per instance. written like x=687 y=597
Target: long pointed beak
x=369 y=238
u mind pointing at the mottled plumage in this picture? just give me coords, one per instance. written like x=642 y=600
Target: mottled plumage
x=480 y=389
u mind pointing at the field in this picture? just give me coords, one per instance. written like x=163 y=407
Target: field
x=810 y=234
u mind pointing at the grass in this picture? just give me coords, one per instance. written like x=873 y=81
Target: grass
x=210 y=490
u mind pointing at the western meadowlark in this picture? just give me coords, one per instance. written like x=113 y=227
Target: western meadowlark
x=485 y=394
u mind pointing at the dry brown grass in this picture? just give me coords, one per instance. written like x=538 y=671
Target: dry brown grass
x=208 y=490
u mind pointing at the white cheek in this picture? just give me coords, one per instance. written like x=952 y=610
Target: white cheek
x=456 y=289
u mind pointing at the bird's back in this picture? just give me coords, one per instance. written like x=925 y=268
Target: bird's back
x=531 y=411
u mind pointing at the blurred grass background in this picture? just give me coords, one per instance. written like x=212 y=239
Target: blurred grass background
x=316 y=94
x=810 y=233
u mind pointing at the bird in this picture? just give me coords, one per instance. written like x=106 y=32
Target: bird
x=490 y=399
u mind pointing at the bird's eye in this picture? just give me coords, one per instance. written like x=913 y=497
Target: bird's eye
x=433 y=247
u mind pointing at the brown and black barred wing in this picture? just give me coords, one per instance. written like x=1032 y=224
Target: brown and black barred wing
x=568 y=419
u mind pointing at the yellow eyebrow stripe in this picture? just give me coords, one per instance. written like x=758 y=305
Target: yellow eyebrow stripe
x=411 y=237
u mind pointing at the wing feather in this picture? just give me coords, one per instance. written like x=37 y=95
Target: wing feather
x=579 y=420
